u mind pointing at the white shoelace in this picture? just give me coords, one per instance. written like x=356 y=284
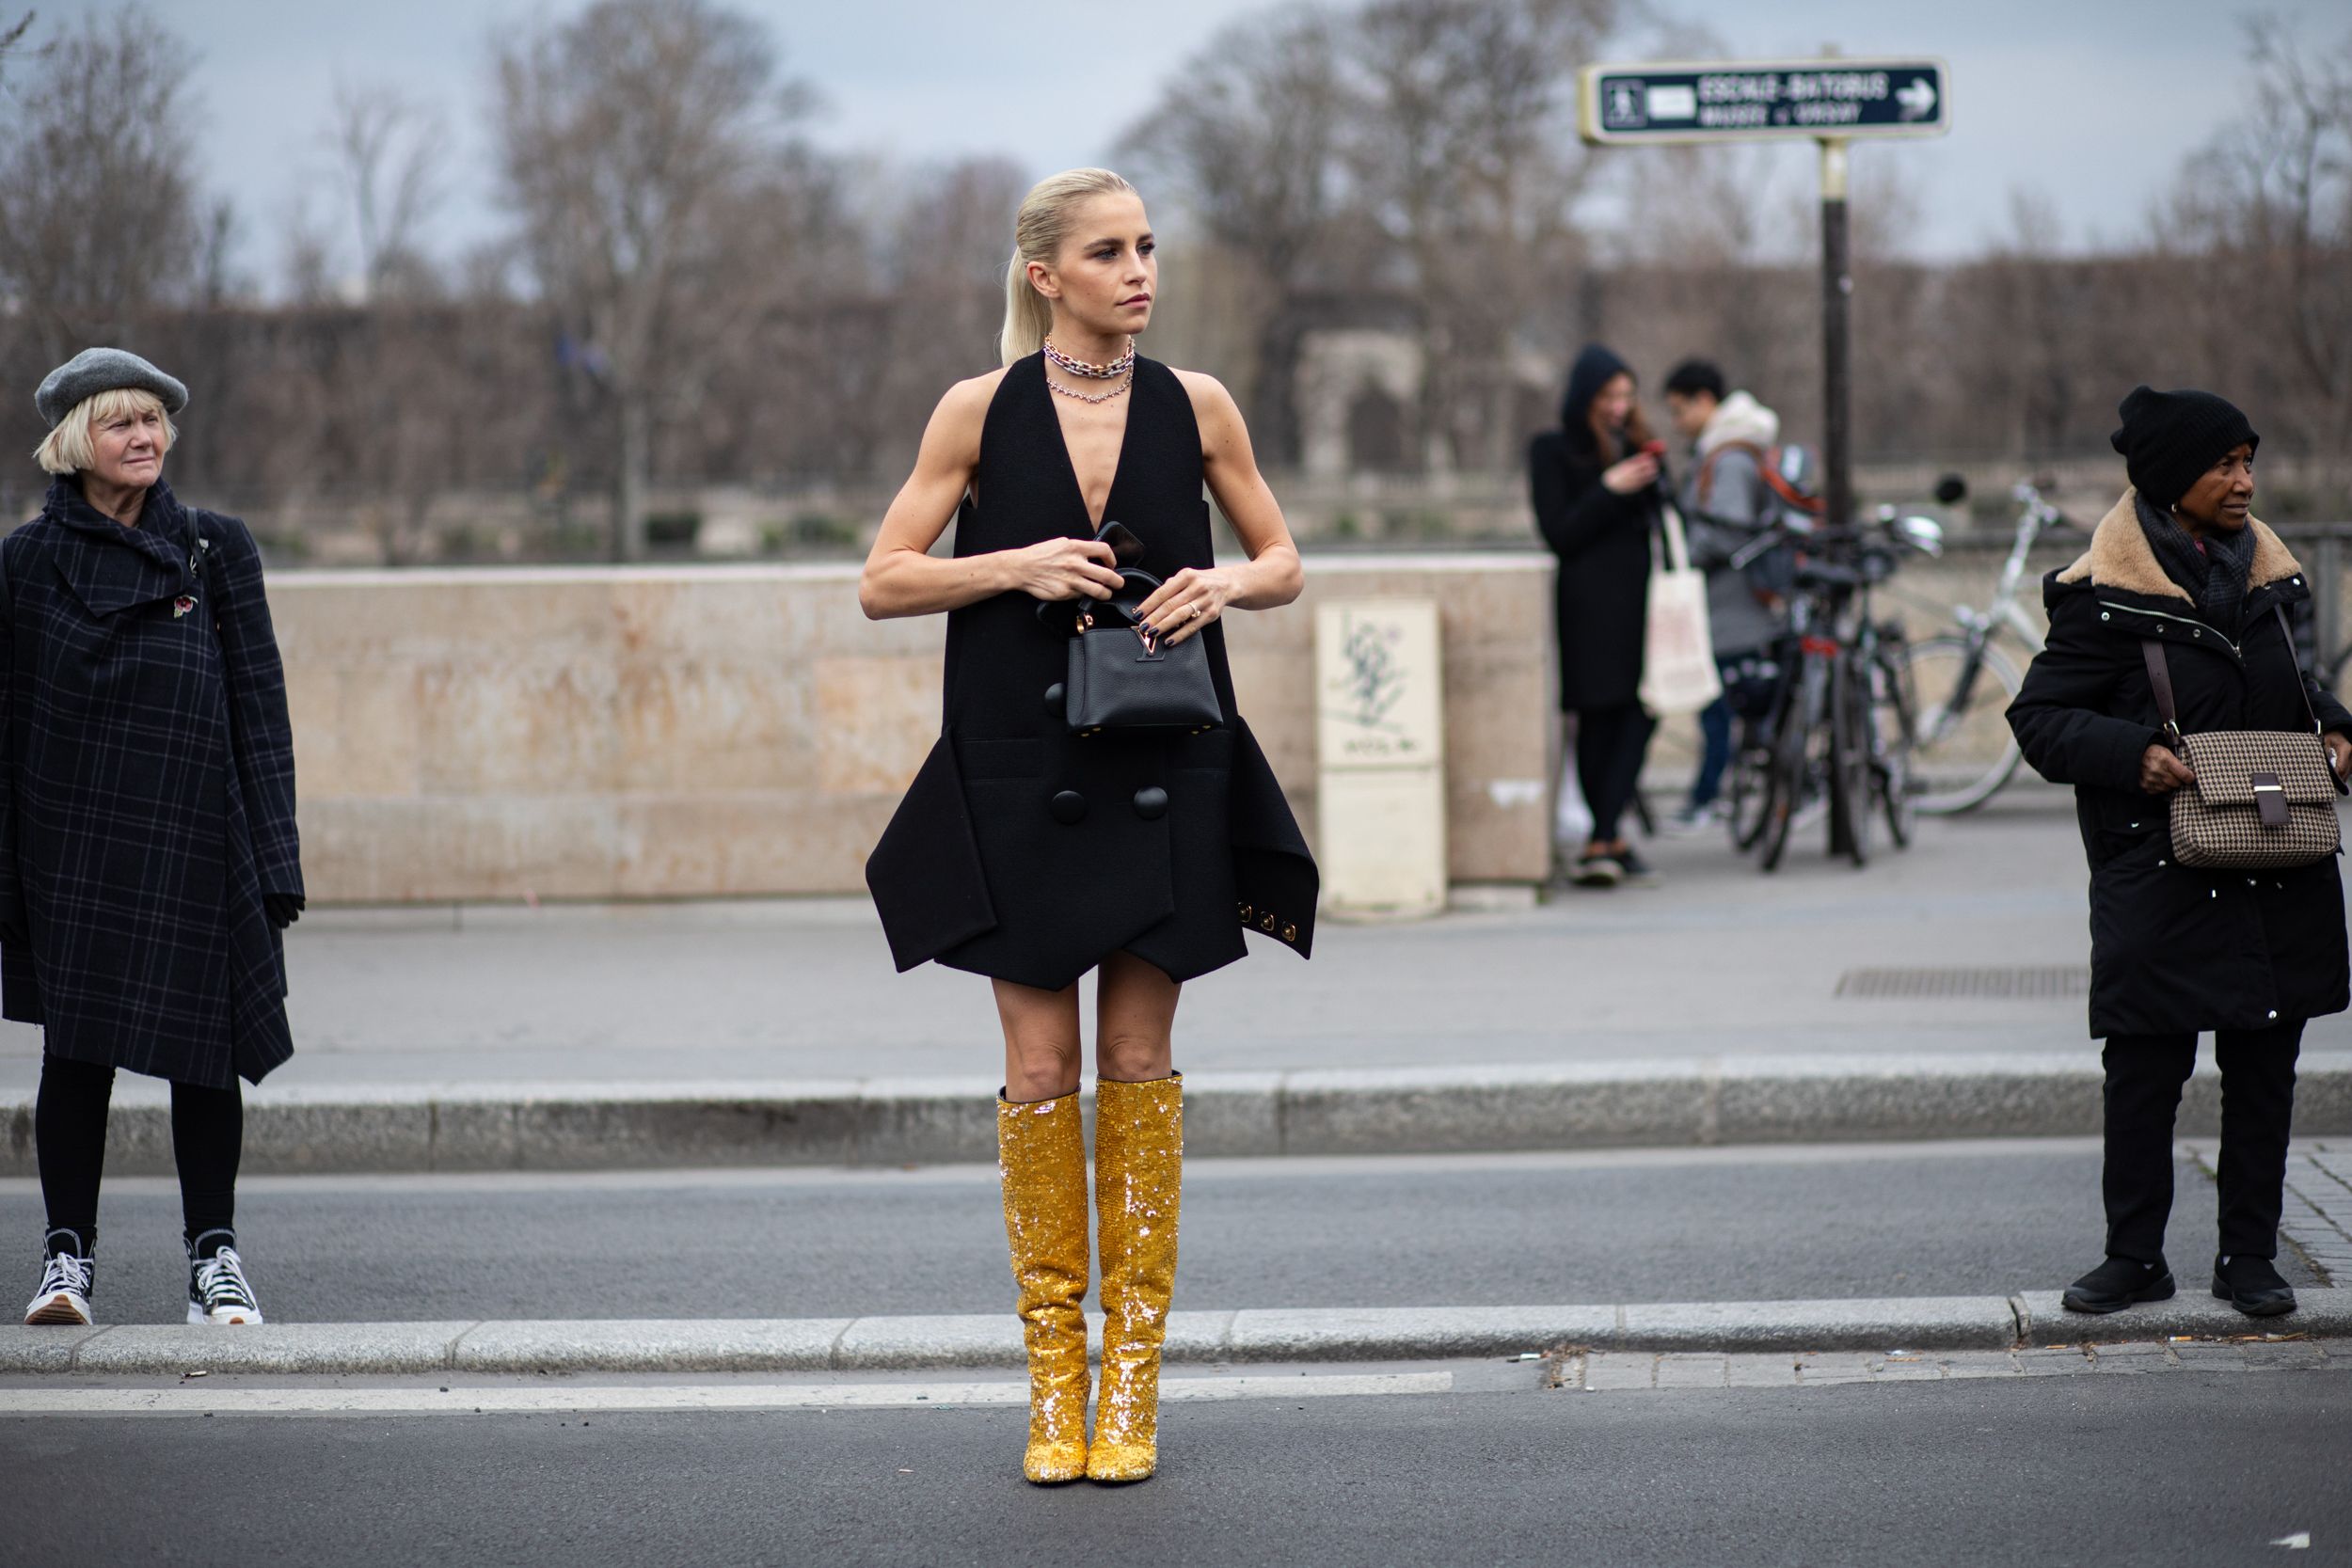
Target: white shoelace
x=220 y=1281
x=66 y=1272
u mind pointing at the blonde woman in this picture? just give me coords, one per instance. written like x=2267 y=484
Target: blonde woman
x=1031 y=854
x=147 y=851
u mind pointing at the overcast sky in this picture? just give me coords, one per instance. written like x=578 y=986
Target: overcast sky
x=2089 y=103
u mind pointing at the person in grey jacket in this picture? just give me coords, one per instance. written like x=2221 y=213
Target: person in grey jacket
x=1725 y=504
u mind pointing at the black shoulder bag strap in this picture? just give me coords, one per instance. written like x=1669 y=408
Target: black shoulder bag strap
x=2160 y=678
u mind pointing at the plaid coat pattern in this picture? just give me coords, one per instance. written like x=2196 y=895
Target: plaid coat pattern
x=147 y=792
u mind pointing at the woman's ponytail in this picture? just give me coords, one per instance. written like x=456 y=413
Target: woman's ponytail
x=1038 y=233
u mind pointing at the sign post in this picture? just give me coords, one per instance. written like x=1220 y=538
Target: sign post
x=1833 y=100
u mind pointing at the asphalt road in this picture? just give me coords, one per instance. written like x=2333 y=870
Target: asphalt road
x=1631 y=1226
x=2202 y=1468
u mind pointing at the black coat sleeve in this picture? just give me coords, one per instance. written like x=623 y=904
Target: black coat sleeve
x=2064 y=717
x=260 y=730
x=1572 y=506
x=11 y=879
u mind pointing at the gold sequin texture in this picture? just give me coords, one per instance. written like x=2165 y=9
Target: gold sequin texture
x=1138 y=1177
x=1041 y=1162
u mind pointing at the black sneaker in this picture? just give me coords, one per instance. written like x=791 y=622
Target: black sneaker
x=2252 y=1285
x=1600 y=869
x=1638 y=872
x=2117 y=1283
x=66 y=1279
x=217 y=1291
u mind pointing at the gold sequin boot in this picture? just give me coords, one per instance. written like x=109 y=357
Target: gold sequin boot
x=1041 y=1160
x=1138 y=1168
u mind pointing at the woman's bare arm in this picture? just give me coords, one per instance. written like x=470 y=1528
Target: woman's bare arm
x=902 y=578
x=1272 y=576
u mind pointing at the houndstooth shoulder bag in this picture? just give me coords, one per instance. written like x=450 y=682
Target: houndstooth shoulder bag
x=2262 y=798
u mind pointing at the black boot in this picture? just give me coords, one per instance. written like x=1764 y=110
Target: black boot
x=2117 y=1284
x=2252 y=1285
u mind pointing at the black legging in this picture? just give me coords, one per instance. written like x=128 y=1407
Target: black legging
x=1611 y=743
x=2143 y=1093
x=70 y=1130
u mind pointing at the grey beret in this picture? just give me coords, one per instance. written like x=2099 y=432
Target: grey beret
x=103 y=370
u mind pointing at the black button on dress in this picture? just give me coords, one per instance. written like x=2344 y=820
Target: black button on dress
x=989 y=866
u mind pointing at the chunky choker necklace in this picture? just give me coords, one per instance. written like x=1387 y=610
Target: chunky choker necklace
x=1118 y=367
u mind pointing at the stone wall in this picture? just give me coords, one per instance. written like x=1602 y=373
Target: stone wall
x=594 y=733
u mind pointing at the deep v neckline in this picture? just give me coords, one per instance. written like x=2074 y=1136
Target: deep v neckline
x=1068 y=464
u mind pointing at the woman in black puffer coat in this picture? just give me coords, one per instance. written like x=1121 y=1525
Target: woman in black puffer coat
x=2175 y=951
x=1594 y=488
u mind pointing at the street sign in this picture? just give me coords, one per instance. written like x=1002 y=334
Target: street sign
x=1831 y=100
x=1704 y=100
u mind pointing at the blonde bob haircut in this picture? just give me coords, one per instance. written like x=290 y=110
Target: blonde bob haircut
x=1038 y=234
x=68 y=449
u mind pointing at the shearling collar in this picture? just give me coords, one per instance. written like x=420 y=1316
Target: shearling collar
x=2120 y=557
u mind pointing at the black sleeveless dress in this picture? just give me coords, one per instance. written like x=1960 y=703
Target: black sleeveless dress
x=975 y=870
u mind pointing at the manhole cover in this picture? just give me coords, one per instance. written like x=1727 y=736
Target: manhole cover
x=2056 y=981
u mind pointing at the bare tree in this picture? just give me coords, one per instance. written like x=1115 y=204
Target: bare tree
x=1248 y=137
x=13 y=39
x=623 y=134
x=1466 y=152
x=389 y=154
x=2273 y=194
x=97 y=202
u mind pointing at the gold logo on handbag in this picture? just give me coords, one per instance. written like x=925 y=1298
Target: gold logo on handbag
x=2261 y=797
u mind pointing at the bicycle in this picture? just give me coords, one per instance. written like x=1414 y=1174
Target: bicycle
x=1840 y=728
x=1963 y=754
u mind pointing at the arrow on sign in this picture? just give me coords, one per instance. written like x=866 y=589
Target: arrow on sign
x=1918 y=100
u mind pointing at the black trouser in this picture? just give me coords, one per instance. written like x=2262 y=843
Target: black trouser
x=1611 y=743
x=2143 y=1092
x=69 y=1132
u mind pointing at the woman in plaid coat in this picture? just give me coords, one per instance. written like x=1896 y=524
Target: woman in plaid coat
x=147 y=851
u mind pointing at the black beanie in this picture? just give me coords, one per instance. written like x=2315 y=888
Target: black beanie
x=2170 y=439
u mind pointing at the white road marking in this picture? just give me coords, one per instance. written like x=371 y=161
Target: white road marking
x=460 y=1400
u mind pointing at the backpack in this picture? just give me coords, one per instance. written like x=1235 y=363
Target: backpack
x=1792 y=499
x=1792 y=482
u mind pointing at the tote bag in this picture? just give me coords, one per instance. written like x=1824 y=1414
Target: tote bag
x=1678 y=673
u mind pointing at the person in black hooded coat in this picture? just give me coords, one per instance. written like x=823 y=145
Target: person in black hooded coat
x=1597 y=501
x=149 y=856
x=2174 y=950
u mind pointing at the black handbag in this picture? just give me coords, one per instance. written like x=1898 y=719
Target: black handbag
x=1122 y=677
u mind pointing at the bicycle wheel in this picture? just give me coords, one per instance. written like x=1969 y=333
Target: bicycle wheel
x=1746 y=794
x=1960 y=754
x=1791 y=771
x=1849 y=760
x=1892 y=732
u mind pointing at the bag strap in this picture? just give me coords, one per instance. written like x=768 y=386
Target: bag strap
x=1678 y=548
x=2161 y=678
x=2301 y=690
x=2160 y=675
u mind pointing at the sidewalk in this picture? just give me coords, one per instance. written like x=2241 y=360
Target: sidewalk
x=2033 y=1320
x=1708 y=1010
